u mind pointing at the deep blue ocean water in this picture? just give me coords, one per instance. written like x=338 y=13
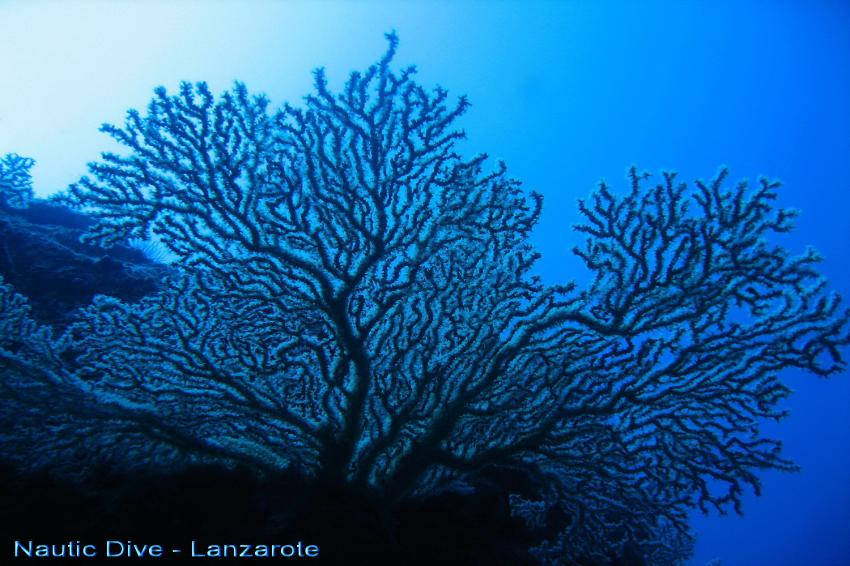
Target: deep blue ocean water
x=566 y=93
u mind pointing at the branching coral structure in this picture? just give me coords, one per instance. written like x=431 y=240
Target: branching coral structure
x=16 y=180
x=351 y=299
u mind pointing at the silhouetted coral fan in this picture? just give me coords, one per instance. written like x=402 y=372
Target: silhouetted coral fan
x=349 y=304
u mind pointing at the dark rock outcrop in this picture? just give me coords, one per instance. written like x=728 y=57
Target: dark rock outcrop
x=42 y=257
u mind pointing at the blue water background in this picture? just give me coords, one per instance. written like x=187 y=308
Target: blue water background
x=567 y=93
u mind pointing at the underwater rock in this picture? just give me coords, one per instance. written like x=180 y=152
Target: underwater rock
x=42 y=257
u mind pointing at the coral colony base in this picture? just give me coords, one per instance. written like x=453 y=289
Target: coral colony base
x=349 y=301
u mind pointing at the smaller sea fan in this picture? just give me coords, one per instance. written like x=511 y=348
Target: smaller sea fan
x=15 y=180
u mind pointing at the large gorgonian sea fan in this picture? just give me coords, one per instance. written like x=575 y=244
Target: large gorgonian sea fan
x=351 y=299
